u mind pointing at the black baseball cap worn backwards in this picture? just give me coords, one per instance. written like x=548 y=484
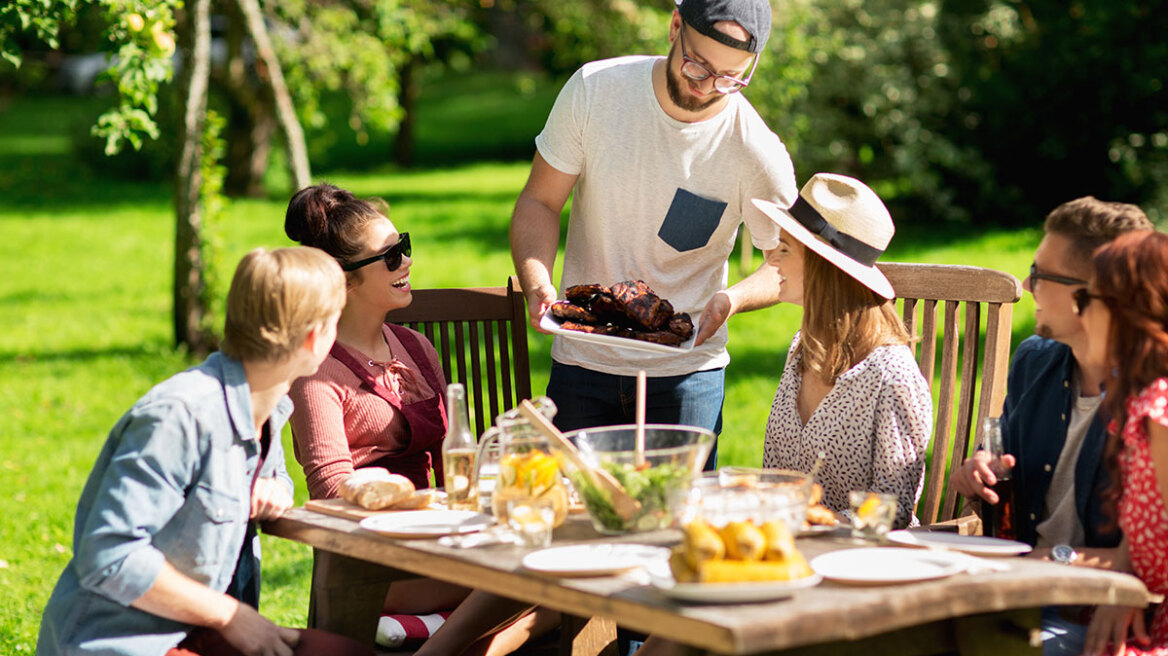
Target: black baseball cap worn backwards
x=753 y=15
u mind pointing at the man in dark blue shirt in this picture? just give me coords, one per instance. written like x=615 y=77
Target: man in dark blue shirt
x=1050 y=423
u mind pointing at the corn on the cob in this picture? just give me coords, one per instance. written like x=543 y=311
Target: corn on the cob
x=744 y=541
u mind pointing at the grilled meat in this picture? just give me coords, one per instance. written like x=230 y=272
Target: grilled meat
x=628 y=309
x=681 y=325
x=649 y=310
x=582 y=294
x=598 y=329
x=607 y=308
x=659 y=337
x=572 y=312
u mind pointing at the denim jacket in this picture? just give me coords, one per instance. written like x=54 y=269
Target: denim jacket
x=1034 y=428
x=172 y=483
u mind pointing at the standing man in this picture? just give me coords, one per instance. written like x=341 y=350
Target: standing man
x=1050 y=423
x=663 y=155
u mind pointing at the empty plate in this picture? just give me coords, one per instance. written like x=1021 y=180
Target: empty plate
x=886 y=565
x=427 y=523
x=593 y=559
x=977 y=545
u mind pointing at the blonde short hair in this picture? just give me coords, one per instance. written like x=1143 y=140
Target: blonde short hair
x=276 y=298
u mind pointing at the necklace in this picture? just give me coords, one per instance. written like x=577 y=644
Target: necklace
x=389 y=349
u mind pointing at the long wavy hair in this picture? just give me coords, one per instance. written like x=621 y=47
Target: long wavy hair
x=843 y=321
x=1131 y=276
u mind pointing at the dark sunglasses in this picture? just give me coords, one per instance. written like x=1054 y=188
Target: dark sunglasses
x=392 y=257
x=1062 y=280
x=1081 y=298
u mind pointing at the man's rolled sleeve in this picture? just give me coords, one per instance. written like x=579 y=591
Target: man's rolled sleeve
x=142 y=489
x=126 y=581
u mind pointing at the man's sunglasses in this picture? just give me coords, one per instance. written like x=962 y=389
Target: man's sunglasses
x=1081 y=298
x=392 y=257
x=1062 y=280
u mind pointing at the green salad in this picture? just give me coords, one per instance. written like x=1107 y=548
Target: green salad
x=652 y=488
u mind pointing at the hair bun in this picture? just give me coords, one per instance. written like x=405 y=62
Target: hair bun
x=306 y=220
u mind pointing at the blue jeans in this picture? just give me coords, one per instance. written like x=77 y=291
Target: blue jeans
x=586 y=398
x=1061 y=636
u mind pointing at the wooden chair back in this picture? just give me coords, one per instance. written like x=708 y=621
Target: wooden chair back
x=481 y=338
x=933 y=298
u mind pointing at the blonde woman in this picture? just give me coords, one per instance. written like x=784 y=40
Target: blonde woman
x=851 y=387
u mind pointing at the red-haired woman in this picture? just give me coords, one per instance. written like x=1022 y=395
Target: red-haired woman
x=1125 y=314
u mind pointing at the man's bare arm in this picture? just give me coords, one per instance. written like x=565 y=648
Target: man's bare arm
x=535 y=233
x=758 y=290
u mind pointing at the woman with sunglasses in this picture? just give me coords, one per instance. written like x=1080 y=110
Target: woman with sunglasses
x=377 y=401
x=1124 y=311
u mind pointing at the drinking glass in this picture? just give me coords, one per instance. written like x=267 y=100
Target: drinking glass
x=532 y=519
x=872 y=514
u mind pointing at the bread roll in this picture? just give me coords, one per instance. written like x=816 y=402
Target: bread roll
x=374 y=488
x=417 y=501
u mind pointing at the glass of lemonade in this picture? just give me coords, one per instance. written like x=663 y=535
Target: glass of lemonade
x=872 y=514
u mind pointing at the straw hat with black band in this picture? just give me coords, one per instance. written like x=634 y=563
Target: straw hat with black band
x=843 y=221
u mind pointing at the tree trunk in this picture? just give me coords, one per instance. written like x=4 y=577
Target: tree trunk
x=403 y=146
x=285 y=110
x=189 y=281
x=251 y=120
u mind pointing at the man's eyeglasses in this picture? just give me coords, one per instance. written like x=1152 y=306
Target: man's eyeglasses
x=1081 y=298
x=392 y=257
x=1062 y=280
x=696 y=71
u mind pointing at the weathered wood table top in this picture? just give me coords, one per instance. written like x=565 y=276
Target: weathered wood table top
x=829 y=612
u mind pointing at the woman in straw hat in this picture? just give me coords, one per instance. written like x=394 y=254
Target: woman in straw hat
x=850 y=387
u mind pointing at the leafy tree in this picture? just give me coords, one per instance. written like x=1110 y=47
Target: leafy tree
x=370 y=53
x=1060 y=99
x=36 y=19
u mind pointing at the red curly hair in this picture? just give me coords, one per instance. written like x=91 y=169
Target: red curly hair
x=1131 y=274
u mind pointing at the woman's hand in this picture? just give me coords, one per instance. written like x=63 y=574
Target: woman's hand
x=269 y=499
x=1111 y=624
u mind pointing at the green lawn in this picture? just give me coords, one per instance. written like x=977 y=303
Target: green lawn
x=85 y=274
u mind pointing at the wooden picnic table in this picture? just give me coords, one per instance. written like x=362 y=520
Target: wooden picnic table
x=994 y=611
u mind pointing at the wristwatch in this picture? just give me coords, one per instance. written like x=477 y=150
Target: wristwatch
x=1063 y=553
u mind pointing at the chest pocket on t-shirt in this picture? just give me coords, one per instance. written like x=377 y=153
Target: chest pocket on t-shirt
x=690 y=221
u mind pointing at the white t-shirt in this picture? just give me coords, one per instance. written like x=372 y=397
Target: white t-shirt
x=658 y=200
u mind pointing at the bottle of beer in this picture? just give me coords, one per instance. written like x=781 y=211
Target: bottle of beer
x=999 y=520
x=458 y=452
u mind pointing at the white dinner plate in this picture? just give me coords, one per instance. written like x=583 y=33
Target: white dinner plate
x=977 y=545
x=549 y=323
x=732 y=593
x=427 y=523
x=593 y=559
x=885 y=565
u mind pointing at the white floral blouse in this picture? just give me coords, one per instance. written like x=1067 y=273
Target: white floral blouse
x=874 y=425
